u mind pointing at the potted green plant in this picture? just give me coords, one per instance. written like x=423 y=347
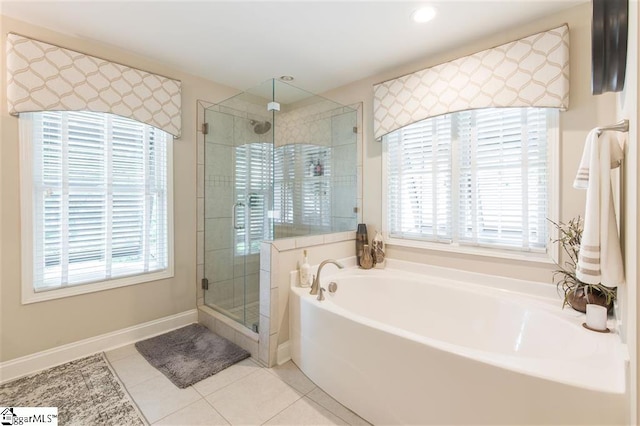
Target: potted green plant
x=576 y=293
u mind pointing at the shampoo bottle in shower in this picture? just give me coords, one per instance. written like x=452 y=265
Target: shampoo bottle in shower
x=319 y=170
x=305 y=272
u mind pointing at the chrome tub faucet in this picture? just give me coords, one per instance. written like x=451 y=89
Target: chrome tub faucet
x=316 y=279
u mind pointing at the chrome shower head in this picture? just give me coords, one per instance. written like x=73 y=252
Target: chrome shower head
x=260 y=127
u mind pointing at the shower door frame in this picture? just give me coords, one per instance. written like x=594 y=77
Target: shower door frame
x=240 y=276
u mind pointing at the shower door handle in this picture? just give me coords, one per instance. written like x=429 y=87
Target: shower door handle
x=235 y=216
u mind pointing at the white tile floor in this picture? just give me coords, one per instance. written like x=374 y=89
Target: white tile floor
x=243 y=394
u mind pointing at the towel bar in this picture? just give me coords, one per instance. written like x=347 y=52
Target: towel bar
x=622 y=126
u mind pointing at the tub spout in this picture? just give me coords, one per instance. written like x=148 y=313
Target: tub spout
x=316 y=279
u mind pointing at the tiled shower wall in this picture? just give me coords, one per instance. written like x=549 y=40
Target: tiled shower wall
x=277 y=260
x=330 y=131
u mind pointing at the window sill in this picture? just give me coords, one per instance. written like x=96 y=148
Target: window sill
x=533 y=257
x=29 y=295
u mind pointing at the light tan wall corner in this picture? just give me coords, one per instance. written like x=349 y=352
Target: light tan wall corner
x=26 y=329
x=628 y=296
x=585 y=112
x=633 y=283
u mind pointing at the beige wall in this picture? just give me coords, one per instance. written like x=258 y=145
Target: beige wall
x=26 y=329
x=632 y=255
x=585 y=112
x=628 y=296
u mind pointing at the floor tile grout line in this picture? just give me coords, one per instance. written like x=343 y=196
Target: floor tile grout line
x=285 y=408
x=219 y=413
x=302 y=395
x=270 y=370
x=312 y=389
x=144 y=381
x=194 y=402
x=200 y=393
x=152 y=378
x=172 y=413
x=329 y=409
x=181 y=408
x=307 y=395
x=317 y=402
x=126 y=389
x=310 y=399
x=227 y=385
x=158 y=372
x=326 y=408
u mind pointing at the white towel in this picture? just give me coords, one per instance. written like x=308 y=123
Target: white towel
x=600 y=258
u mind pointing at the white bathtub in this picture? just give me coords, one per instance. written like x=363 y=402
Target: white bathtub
x=437 y=346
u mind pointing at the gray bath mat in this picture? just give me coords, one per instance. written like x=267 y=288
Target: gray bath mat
x=85 y=391
x=190 y=354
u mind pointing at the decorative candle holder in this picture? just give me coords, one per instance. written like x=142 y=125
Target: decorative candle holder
x=377 y=250
x=361 y=239
x=596 y=318
x=366 y=261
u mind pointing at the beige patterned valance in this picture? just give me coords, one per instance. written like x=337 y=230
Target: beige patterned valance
x=533 y=71
x=44 y=77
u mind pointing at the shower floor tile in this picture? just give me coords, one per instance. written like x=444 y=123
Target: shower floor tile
x=252 y=313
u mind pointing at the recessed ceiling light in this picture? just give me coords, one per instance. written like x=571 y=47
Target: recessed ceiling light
x=424 y=14
x=286 y=78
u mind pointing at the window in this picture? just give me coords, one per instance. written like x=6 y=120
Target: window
x=96 y=203
x=302 y=190
x=252 y=187
x=299 y=187
x=473 y=178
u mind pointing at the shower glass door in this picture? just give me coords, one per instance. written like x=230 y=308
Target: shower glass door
x=280 y=162
x=238 y=157
x=252 y=189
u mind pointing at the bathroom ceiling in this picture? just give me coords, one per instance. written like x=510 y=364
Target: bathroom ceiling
x=324 y=44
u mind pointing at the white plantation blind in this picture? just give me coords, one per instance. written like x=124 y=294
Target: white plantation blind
x=252 y=184
x=419 y=180
x=100 y=200
x=503 y=177
x=285 y=160
x=302 y=190
x=475 y=177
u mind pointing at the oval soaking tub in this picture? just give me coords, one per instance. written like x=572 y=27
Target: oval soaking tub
x=415 y=344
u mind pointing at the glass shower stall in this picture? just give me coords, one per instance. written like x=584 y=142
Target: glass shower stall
x=280 y=162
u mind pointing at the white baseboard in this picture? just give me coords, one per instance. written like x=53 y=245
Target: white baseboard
x=28 y=364
x=284 y=352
